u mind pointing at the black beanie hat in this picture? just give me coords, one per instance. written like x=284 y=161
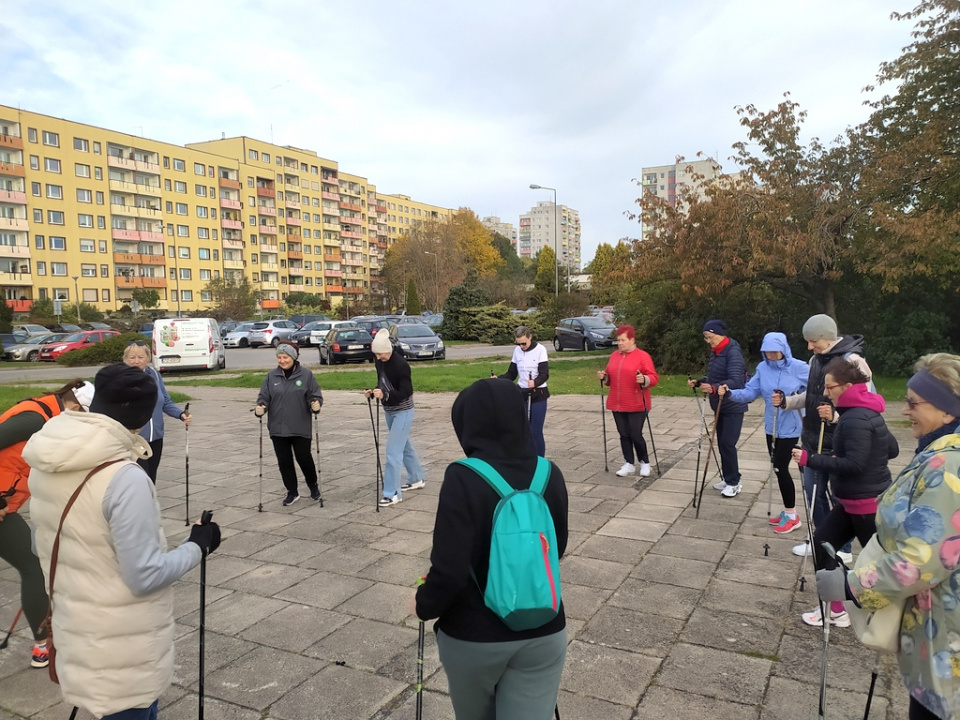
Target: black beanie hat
x=126 y=394
x=716 y=326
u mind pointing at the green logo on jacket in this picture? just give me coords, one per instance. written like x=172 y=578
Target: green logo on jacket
x=299 y=383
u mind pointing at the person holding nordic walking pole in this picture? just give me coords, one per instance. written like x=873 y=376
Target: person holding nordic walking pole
x=630 y=374
x=778 y=375
x=85 y=478
x=288 y=396
x=725 y=367
x=395 y=391
x=137 y=354
x=530 y=368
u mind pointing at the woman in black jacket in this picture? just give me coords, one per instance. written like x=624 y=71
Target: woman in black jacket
x=493 y=672
x=862 y=447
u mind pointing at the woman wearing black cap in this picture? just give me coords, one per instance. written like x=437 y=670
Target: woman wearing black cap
x=725 y=367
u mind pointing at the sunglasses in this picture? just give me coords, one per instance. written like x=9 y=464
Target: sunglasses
x=138 y=343
x=912 y=404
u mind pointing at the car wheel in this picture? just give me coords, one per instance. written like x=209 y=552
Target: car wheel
x=34 y=356
x=275 y=342
x=586 y=345
x=556 y=344
x=223 y=360
x=331 y=359
x=244 y=342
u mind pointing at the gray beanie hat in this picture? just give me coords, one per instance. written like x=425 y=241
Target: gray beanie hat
x=381 y=343
x=820 y=327
x=287 y=349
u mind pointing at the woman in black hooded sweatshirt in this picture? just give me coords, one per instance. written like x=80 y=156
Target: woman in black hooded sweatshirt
x=493 y=672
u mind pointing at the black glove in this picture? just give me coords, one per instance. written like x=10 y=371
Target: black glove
x=206 y=536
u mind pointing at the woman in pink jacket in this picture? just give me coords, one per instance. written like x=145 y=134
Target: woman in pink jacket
x=630 y=375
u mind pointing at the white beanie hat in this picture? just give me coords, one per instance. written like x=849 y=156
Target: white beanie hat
x=381 y=343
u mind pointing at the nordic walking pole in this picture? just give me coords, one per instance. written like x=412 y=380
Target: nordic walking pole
x=316 y=433
x=16 y=619
x=713 y=436
x=186 y=455
x=603 y=415
x=260 y=506
x=529 y=400
x=643 y=402
x=205 y=518
x=376 y=445
x=773 y=466
x=873 y=684
x=703 y=422
x=420 y=644
x=705 y=429
x=825 y=613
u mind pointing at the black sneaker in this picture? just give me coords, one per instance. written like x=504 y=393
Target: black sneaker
x=315 y=493
x=291 y=499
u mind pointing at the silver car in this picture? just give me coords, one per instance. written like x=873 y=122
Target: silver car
x=29 y=349
x=239 y=336
x=272 y=332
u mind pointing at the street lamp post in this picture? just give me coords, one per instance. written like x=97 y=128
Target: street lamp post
x=556 y=249
x=76 y=290
x=436 y=307
x=176 y=270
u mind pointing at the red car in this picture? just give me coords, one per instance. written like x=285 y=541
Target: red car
x=77 y=341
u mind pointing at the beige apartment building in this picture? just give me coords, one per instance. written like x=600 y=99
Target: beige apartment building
x=545 y=225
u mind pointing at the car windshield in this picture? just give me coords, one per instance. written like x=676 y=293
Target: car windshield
x=260 y=325
x=354 y=335
x=39 y=339
x=311 y=326
x=76 y=337
x=406 y=331
x=595 y=323
x=243 y=327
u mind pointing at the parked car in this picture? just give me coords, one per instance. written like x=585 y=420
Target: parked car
x=28 y=350
x=95 y=326
x=302 y=320
x=584 y=333
x=314 y=333
x=417 y=342
x=227 y=326
x=9 y=339
x=372 y=323
x=75 y=341
x=272 y=332
x=434 y=320
x=346 y=344
x=30 y=329
x=239 y=336
x=147 y=329
x=63 y=327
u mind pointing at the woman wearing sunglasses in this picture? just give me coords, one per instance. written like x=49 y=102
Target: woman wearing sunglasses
x=138 y=355
x=530 y=368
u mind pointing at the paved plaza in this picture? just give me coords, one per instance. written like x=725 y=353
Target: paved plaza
x=668 y=615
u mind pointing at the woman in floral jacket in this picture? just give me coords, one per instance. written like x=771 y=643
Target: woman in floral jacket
x=918 y=526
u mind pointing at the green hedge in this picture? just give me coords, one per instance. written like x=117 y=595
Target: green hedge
x=103 y=353
x=493 y=324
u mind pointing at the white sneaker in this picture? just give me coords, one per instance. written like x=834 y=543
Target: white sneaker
x=846 y=557
x=803 y=549
x=837 y=619
x=732 y=490
x=720 y=485
x=413 y=486
x=388 y=501
x=644 y=469
x=627 y=469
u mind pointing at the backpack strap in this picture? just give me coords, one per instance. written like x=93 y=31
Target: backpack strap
x=496 y=481
x=541 y=476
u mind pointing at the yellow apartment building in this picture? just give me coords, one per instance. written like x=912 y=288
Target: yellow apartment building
x=99 y=213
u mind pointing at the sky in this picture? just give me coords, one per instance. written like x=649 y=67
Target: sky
x=462 y=103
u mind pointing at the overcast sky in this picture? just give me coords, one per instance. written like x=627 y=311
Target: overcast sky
x=455 y=103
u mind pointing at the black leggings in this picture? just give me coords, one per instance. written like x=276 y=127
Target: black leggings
x=919 y=712
x=152 y=463
x=15 y=548
x=838 y=528
x=781 y=467
x=630 y=427
x=286 y=449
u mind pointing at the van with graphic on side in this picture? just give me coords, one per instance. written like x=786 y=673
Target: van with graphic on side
x=187 y=344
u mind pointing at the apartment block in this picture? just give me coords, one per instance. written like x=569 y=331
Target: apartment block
x=494 y=224
x=667 y=181
x=547 y=224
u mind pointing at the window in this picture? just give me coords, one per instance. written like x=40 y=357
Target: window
x=32 y=134
x=203 y=253
x=58 y=243
x=105 y=295
x=81 y=145
x=201 y=190
x=171 y=251
x=201 y=211
x=166 y=184
x=184 y=252
x=98 y=173
x=253 y=155
x=99 y=197
x=87 y=270
x=103 y=247
x=214 y=233
x=306 y=249
x=51 y=165
x=213 y=193
x=84 y=220
x=205 y=275
x=89 y=295
x=102 y=224
x=37 y=189
x=104 y=271
x=249 y=182
x=55 y=217
x=187 y=295
x=253 y=258
x=34 y=162
x=199 y=169
x=205 y=295
x=84 y=196
x=185 y=274
x=50 y=138
x=81 y=170
x=216 y=258
x=179 y=165
x=96 y=147
x=39 y=242
x=169 y=207
x=55 y=192
x=183 y=231
x=266 y=157
x=180 y=187
x=166 y=162
x=41 y=267
x=181 y=208
x=58 y=268
x=203 y=233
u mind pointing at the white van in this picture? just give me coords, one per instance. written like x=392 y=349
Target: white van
x=187 y=343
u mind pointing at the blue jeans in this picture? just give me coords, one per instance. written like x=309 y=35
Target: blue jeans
x=147 y=713
x=538 y=413
x=821 y=503
x=400 y=452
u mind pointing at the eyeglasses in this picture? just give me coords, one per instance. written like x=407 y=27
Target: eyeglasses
x=522 y=343
x=830 y=387
x=912 y=404
x=138 y=343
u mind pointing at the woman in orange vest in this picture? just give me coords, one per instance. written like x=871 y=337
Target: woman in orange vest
x=17 y=425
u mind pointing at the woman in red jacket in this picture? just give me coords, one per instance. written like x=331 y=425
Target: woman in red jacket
x=630 y=375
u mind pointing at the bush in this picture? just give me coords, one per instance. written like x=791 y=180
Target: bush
x=103 y=353
x=493 y=324
x=460 y=296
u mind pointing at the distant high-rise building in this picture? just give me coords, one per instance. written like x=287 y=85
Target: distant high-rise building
x=494 y=224
x=537 y=232
x=667 y=181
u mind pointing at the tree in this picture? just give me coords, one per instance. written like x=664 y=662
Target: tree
x=512 y=265
x=609 y=270
x=6 y=317
x=413 y=300
x=146 y=298
x=231 y=298
x=545 y=284
x=304 y=299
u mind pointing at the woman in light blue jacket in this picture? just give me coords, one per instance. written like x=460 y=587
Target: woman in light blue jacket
x=778 y=375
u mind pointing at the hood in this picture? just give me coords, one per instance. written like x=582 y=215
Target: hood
x=844 y=344
x=490 y=419
x=776 y=342
x=79 y=441
x=859 y=395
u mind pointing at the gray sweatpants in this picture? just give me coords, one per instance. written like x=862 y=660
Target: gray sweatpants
x=517 y=680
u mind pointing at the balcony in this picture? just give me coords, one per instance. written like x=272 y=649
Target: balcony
x=293 y=204
x=295 y=222
x=18 y=197
x=230 y=204
x=154 y=282
x=131 y=164
x=293 y=238
x=296 y=284
x=14 y=224
x=331 y=258
x=152 y=259
x=381 y=208
x=350 y=206
x=133 y=281
x=330 y=195
x=14 y=142
x=294 y=254
x=135 y=188
x=269 y=285
x=350 y=220
x=10 y=168
x=333 y=273
x=352 y=291
x=17 y=251
x=8 y=278
x=233 y=264
x=229 y=244
x=145 y=211
x=268 y=248
x=267 y=210
x=270 y=304
x=150 y=236
x=267 y=229
x=121 y=234
x=334 y=288
x=126 y=258
x=20 y=306
x=333 y=227
x=228 y=224
x=266 y=192
x=228 y=183
x=269 y=266
x=348 y=234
